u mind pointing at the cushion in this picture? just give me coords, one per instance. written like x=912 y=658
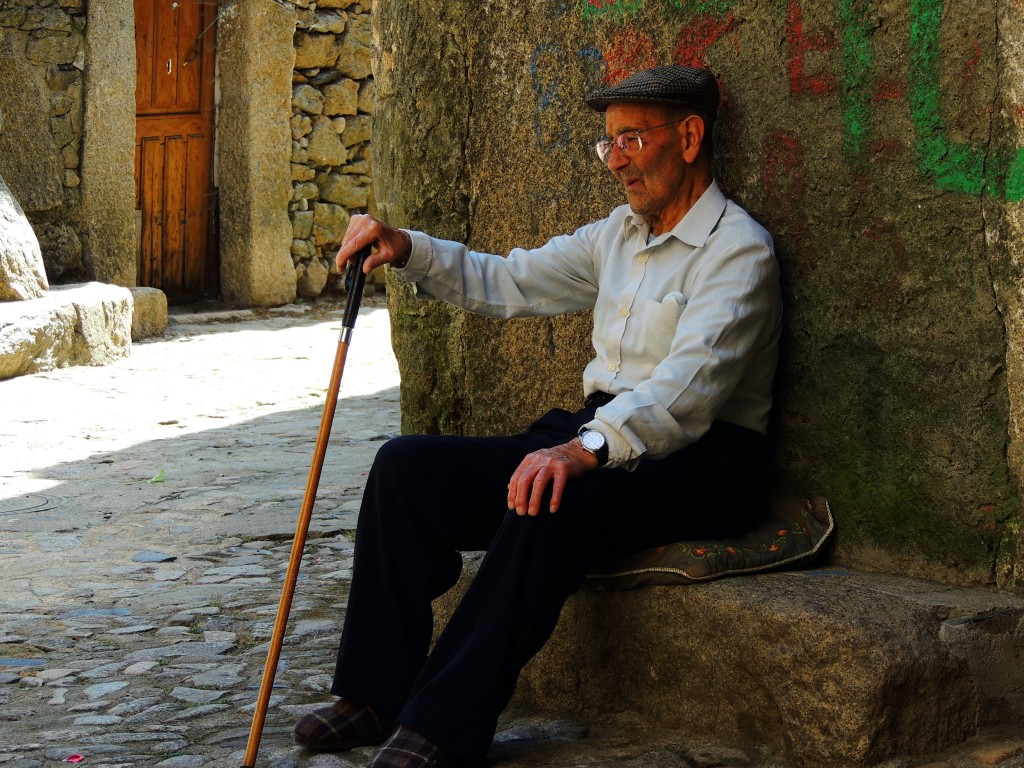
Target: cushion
x=794 y=532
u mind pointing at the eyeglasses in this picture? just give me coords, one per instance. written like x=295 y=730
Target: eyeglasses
x=628 y=142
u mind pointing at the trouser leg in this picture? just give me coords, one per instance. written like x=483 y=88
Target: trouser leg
x=427 y=498
x=534 y=563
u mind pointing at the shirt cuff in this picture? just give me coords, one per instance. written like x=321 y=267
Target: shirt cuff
x=619 y=450
x=420 y=258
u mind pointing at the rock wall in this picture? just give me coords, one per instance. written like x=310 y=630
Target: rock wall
x=332 y=106
x=42 y=57
x=881 y=143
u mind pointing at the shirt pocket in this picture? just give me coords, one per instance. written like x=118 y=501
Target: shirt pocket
x=660 y=321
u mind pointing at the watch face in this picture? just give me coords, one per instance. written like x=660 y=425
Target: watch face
x=592 y=440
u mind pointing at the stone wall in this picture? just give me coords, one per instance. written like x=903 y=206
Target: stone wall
x=881 y=143
x=332 y=107
x=42 y=57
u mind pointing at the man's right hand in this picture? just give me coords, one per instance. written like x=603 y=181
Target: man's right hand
x=390 y=245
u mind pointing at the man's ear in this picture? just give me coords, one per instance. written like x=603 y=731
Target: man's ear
x=692 y=136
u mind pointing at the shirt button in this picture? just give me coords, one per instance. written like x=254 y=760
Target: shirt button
x=642 y=259
x=624 y=312
x=611 y=367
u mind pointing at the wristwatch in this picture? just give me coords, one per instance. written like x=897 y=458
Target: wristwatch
x=594 y=442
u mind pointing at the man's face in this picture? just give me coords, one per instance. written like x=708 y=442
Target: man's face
x=655 y=178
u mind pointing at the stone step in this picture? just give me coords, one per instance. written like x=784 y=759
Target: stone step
x=79 y=324
x=828 y=667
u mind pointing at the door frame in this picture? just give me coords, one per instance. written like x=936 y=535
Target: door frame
x=252 y=158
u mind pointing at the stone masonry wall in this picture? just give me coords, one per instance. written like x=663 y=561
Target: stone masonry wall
x=880 y=141
x=42 y=57
x=332 y=105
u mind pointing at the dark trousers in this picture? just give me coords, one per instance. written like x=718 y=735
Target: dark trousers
x=428 y=498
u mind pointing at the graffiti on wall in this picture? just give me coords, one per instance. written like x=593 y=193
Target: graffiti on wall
x=951 y=165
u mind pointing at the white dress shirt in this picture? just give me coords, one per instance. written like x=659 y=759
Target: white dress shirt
x=686 y=326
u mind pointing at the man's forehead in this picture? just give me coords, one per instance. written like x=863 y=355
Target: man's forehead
x=626 y=116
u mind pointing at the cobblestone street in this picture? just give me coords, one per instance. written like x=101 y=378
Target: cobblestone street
x=146 y=515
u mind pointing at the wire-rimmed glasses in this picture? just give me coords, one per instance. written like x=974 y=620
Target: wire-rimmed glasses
x=628 y=142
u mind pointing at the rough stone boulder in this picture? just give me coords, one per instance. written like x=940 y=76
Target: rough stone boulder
x=22 y=275
x=83 y=324
x=149 y=313
x=827 y=667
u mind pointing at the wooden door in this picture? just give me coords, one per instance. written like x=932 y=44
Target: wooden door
x=174 y=193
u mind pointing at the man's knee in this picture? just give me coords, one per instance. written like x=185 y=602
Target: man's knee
x=408 y=459
x=404 y=449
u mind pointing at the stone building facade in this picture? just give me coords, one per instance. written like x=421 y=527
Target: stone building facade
x=292 y=158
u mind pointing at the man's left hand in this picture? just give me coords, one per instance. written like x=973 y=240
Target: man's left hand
x=554 y=466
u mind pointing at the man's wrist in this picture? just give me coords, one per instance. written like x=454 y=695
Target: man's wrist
x=594 y=442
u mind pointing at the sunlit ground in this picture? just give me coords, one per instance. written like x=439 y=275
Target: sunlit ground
x=196 y=378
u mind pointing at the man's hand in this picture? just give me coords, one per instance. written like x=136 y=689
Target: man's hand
x=554 y=466
x=390 y=244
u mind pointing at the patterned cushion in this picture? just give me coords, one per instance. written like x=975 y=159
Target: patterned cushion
x=793 y=533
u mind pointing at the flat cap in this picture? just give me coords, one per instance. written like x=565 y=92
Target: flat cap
x=692 y=87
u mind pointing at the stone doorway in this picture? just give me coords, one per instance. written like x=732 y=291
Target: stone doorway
x=176 y=201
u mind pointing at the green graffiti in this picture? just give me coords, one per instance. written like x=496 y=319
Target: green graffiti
x=703 y=7
x=856 y=51
x=613 y=9
x=955 y=167
x=622 y=9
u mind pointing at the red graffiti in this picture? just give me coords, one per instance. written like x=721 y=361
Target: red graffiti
x=1018 y=111
x=988 y=521
x=888 y=147
x=860 y=189
x=628 y=50
x=970 y=66
x=798 y=44
x=888 y=90
x=783 y=174
x=885 y=291
x=701 y=34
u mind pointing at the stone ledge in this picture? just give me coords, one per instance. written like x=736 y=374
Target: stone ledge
x=149 y=313
x=81 y=324
x=828 y=667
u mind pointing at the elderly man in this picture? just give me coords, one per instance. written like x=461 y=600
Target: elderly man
x=668 y=445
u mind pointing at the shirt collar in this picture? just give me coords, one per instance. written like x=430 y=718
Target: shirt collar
x=696 y=226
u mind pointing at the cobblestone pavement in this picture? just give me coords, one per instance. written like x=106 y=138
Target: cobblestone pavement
x=146 y=514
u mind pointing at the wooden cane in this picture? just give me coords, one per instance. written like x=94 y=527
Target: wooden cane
x=259 y=715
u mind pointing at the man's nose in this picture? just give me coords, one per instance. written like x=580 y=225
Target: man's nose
x=617 y=158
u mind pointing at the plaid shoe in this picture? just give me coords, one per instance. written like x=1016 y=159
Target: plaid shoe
x=407 y=749
x=342 y=725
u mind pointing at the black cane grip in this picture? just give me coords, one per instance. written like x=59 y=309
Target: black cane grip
x=355 y=291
